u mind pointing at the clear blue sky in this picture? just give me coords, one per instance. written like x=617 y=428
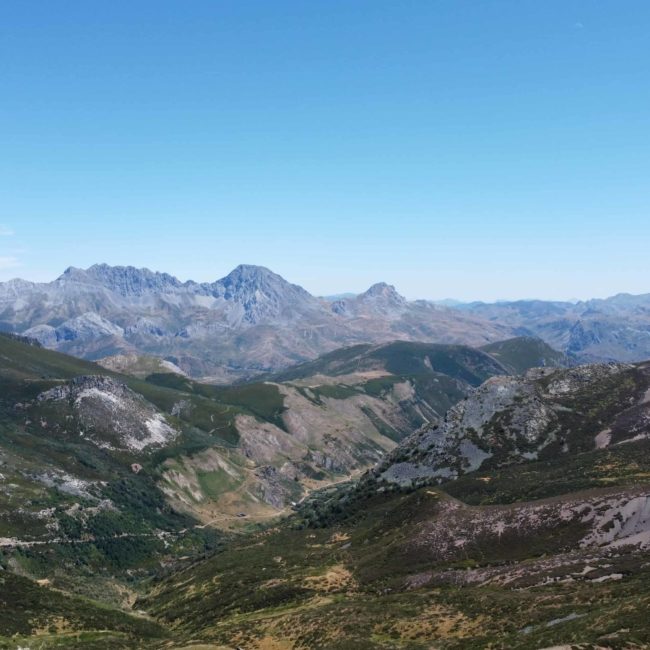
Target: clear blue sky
x=474 y=149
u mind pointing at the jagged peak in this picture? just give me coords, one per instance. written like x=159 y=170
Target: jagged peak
x=126 y=280
x=106 y=270
x=263 y=294
x=72 y=272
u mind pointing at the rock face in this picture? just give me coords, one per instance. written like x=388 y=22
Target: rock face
x=539 y=415
x=249 y=322
x=109 y=414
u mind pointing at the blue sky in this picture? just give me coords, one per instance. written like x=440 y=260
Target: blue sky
x=478 y=150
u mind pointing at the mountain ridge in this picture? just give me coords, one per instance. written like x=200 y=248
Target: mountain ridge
x=254 y=321
x=248 y=322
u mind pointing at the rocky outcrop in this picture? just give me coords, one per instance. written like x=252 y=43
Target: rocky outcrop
x=513 y=419
x=109 y=414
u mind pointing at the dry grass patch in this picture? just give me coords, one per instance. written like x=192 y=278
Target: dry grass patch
x=56 y=625
x=336 y=578
x=435 y=622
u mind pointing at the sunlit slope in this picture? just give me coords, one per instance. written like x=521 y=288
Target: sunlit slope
x=525 y=352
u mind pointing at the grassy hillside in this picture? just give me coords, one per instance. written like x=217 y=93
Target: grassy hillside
x=388 y=572
x=36 y=616
x=95 y=521
x=70 y=509
x=400 y=358
x=521 y=353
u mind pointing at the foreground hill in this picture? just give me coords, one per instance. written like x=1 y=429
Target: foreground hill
x=249 y=322
x=517 y=553
x=424 y=570
x=111 y=479
x=81 y=452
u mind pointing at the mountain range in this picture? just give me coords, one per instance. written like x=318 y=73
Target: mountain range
x=611 y=329
x=253 y=321
x=249 y=322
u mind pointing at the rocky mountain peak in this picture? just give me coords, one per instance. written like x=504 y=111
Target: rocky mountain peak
x=73 y=273
x=382 y=298
x=263 y=294
x=247 y=277
x=383 y=291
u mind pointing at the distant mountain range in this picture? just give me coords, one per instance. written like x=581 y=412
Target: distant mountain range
x=253 y=321
x=249 y=322
x=611 y=329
